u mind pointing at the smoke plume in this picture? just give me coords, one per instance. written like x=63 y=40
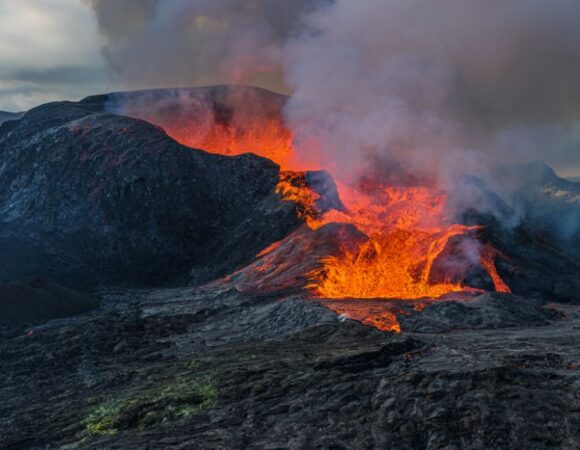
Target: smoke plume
x=426 y=78
x=440 y=85
x=441 y=88
x=154 y=43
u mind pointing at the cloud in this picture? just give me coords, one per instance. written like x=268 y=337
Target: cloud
x=49 y=50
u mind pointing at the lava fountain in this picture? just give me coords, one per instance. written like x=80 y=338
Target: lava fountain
x=406 y=234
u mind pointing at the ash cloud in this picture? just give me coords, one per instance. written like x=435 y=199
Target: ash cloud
x=421 y=77
x=156 y=43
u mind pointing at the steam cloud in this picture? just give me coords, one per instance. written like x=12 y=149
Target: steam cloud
x=443 y=87
x=436 y=80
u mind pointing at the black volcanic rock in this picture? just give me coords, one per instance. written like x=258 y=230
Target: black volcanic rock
x=487 y=311
x=88 y=197
x=36 y=300
x=5 y=116
x=216 y=368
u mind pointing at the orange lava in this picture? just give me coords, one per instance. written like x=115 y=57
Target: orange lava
x=406 y=227
x=270 y=139
x=384 y=322
x=294 y=188
x=488 y=257
x=272 y=247
x=380 y=314
x=406 y=234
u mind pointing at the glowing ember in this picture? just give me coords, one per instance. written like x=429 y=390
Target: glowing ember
x=381 y=314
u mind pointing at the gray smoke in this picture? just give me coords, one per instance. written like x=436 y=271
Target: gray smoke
x=443 y=85
x=445 y=88
x=160 y=43
x=427 y=78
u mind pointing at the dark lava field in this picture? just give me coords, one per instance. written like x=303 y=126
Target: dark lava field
x=136 y=314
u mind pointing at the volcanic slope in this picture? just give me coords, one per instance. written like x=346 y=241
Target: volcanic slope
x=92 y=198
x=5 y=116
x=530 y=231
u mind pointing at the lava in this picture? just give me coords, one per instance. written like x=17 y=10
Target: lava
x=488 y=257
x=406 y=234
x=406 y=226
x=271 y=141
x=294 y=188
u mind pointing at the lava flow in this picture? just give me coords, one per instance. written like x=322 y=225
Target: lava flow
x=406 y=234
x=488 y=257
x=406 y=228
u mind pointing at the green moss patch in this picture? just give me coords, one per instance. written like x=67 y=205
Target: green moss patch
x=184 y=397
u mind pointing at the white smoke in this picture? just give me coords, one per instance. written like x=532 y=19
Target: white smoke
x=441 y=85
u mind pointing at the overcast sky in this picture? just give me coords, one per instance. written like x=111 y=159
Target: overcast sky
x=49 y=50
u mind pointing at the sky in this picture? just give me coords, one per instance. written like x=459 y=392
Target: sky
x=69 y=49
x=49 y=50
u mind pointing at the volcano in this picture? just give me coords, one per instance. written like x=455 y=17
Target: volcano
x=397 y=238
x=249 y=295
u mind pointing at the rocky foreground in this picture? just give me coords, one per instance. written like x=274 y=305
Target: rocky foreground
x=197 y=368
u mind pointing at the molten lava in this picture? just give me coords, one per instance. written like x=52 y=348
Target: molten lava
x=406 y=234
x=294 y=188
x=488 y=257
x=406 y=226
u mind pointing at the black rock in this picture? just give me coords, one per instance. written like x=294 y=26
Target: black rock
x=216 y=368
x=36 y=301
x=5 y=116
x=488 y=311
x=88 y=197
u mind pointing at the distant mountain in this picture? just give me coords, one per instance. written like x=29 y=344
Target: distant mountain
x=5 y=116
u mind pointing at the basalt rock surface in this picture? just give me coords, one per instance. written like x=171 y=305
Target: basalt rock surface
x=36 y=300
x=487 y=311
x=91 y=198
x=216 y=368
x=5 y=116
